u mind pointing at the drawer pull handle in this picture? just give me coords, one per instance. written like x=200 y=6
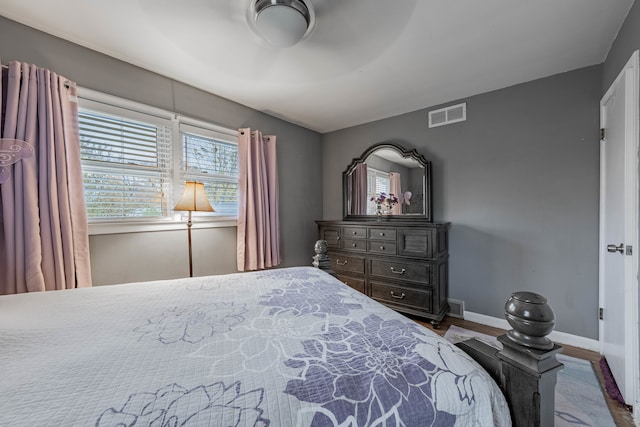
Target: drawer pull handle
x=339 y=238
x=394 y=271
x=342 y=263
x=382 y=234
x=355 y=233
x=355 y=245
x=382 y=248
x=401 y=296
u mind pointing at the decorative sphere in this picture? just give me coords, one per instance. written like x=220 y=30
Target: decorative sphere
x=531 y=318
x=321 y=247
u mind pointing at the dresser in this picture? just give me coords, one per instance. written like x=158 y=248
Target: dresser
x=402 y=264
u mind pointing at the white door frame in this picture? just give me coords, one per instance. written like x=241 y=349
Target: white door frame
x=630 y=73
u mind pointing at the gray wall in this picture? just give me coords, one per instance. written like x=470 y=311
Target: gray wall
x=519 y=182
x=158 y=255
x=627 y=41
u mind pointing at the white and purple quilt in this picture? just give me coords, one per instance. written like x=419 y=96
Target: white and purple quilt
x=286 y=347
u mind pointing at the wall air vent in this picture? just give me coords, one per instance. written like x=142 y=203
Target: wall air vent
x=456 y=308
x=448 y=115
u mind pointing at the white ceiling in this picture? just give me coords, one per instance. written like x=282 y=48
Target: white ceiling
x=365 y=60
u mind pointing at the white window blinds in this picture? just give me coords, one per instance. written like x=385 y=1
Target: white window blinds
x=378 y=182
x=126 y=165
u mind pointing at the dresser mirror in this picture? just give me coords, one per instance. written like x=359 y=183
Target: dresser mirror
x=390 y=169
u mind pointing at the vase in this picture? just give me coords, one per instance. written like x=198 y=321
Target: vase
x=378 y=211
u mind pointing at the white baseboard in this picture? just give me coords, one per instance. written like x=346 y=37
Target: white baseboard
x=557 y=336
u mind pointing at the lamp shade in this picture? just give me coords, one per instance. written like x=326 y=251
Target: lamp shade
x=194 y=198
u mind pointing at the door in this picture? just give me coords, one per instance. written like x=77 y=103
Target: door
x=619 y=230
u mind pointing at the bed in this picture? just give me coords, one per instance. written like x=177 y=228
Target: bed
x=285 y=347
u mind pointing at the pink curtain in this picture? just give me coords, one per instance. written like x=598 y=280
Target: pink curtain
x=395 y=189
x=359 y=190
x=44 y=242
x=258 y=216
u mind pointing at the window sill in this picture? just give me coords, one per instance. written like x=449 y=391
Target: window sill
x=98 y=228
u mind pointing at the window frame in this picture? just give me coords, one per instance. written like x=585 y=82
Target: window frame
x=111 y=105
x=165 y=172
x=206 y=130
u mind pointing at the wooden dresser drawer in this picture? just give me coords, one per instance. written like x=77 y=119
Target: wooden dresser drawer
x=409 y=297
x=354 y=233
x=345 y=263
x=410 y=272
x=354 y=244
x=415 y=243
x=353 y=282
x=382 y=234
x=332 y=236
x=381 y=247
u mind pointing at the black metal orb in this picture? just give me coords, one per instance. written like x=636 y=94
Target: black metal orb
x=531 y=318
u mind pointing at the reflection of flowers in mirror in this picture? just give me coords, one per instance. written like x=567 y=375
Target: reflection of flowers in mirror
x=383 y=199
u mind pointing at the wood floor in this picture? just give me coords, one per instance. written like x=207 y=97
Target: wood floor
x=621 y=415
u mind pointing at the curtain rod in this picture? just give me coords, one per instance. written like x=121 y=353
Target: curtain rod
x=67 y=83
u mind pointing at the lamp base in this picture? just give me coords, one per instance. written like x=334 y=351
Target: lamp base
x=189 y=223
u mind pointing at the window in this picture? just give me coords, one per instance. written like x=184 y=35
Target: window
x=212 y=158
x=135 y=159
x=378 y=182
x=126 y=165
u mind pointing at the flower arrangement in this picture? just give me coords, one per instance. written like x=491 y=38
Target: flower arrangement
x=383 y=199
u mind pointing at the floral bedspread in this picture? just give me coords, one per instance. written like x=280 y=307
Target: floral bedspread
x=286 y=347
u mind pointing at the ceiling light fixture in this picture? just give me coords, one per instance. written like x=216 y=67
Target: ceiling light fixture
x=282 y=23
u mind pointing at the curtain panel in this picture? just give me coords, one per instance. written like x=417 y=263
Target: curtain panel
x=359 y=190
x=44 y=241
x=258 y=239
x=395 y=189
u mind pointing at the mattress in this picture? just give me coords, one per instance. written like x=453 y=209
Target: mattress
x=284 y=347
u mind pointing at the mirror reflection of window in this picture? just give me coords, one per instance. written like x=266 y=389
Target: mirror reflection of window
x=378 y=182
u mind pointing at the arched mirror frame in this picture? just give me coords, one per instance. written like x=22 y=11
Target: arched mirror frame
x=413 y=154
